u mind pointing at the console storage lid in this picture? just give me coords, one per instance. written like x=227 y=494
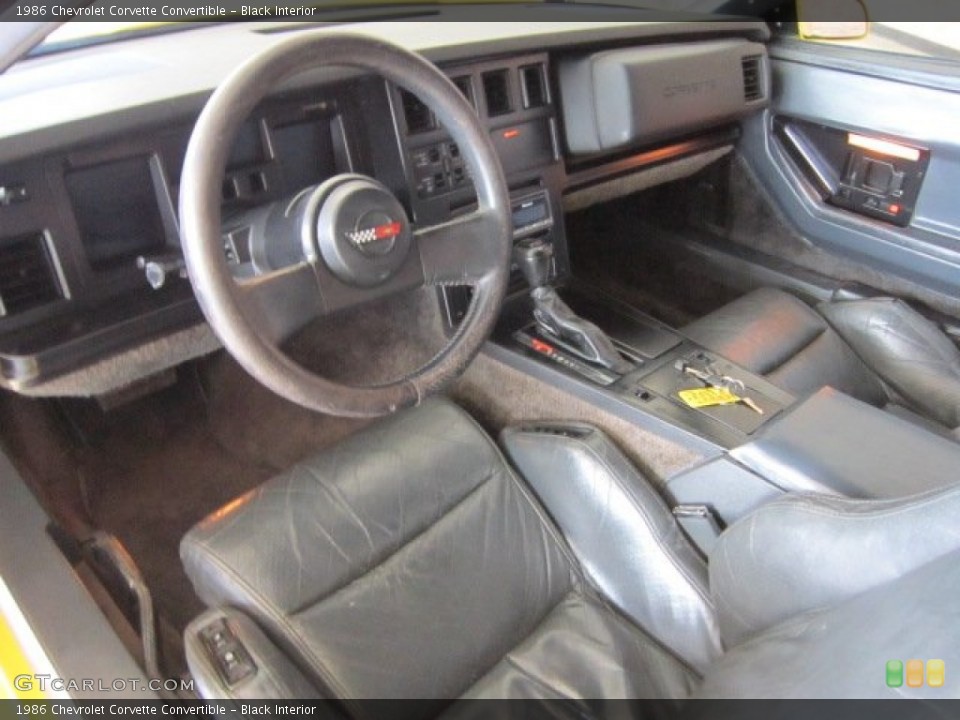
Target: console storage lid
x=833 y=443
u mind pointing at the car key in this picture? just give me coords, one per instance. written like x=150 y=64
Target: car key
x=750 y=403
x=714 y=379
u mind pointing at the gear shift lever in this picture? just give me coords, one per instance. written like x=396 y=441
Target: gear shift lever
x=534 y=256
x=582 y=337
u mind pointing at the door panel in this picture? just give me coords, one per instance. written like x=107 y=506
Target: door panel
x=855 y=92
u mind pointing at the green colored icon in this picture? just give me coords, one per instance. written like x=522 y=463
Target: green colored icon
x=894 y=673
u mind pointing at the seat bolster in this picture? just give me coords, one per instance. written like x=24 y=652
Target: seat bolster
x=760 y=331
x=905 y=349
x=622 y=533
x=805 y=552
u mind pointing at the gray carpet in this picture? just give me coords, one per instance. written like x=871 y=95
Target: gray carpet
x=156 y=470
x=374 y=344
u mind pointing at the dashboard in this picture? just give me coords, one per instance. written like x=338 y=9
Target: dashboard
x=90 y=263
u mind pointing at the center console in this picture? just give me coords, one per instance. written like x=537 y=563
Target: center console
x=661 y=365
x=772 y=444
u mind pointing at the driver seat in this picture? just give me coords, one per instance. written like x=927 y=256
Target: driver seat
x=410 y=561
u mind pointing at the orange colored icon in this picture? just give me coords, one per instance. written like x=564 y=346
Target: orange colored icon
x=914 y=673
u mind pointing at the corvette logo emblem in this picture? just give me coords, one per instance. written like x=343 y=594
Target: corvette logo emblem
x=386 y=231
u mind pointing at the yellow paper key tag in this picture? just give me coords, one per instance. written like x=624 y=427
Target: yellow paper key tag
x=708 y=397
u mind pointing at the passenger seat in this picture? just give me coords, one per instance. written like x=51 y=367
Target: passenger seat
x=878 y=350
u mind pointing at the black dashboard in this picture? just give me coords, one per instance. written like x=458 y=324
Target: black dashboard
x=89 y=243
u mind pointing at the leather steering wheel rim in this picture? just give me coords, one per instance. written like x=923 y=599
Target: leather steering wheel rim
x=486 y=269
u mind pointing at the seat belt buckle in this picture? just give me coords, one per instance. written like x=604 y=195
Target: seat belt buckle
x=699 y=524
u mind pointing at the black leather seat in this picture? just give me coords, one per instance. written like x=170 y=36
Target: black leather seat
x=878 y=350
x=411 y=561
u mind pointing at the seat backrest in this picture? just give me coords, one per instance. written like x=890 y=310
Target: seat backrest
x=805 y=552
x=772 y=333
x=404 y=562
x=896 y=640
x=910 y=353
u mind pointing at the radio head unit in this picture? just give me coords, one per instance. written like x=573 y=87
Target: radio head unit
x=531 y=214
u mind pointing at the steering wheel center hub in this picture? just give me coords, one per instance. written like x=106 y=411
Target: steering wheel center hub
x=376 y=233
x=363 y=233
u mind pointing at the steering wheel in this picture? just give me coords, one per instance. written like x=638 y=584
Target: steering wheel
x=344 y=242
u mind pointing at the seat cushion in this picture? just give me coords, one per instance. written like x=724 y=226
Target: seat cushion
x=774 y=334
x=408 y=562
x=582 y=650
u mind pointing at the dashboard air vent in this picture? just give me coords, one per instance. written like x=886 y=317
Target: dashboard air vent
x=534 y=86
x=418 y=116
x=752 y=80
x=27 y=279
x=496 y=91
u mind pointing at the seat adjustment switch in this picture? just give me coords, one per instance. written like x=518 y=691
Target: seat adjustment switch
x=231 y=658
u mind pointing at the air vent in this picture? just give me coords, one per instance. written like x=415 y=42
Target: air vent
x=27 y=279
x=418 y=116
x=534 y=86
x=496 y=91
x=752 y=78
x=465 y=87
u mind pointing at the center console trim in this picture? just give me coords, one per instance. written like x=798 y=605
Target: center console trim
x=643 y=389
x=603 y=399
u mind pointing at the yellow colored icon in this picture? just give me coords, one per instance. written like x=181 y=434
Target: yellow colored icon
x=914 y=673
x=935 y=673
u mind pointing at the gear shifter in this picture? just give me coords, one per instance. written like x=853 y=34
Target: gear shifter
x=555 y=319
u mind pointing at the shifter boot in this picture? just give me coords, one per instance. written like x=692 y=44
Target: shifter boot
x=580 y=336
